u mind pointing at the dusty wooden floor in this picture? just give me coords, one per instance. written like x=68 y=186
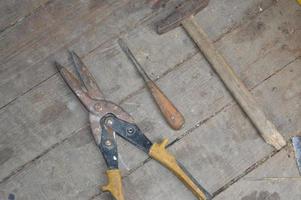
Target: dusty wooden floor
x=46 y=150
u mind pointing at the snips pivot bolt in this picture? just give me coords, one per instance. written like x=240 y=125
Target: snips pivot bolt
x=130 y=131
x=109 y=122
x=98 y=107
x=108 y=143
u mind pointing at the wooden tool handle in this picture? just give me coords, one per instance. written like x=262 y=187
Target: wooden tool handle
x=114 y=184
x=159 y=153
x=173 y=117
x=239 y=91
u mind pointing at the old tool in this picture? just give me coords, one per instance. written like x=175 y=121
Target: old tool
x=183 y=15
x=296 y=140
x=108 y=119
x=171 y=114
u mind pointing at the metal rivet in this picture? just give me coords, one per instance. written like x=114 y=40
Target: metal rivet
x=108 y=143
x=98 y=107
x=109 y=121
x=130 y=131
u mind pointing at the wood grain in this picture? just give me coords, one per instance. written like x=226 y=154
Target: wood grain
x=213 y=164
x=12 y=12
x=268 y=181
x=237 y=88
x=44 y=36
x=57 y=151
x=171 y=114
x=53 y=94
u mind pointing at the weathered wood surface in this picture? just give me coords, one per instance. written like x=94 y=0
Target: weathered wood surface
x=44 y=37
x=84 y=26
x=12 y=11
x=73 y=167
x=222 y=148
x=44 y=108
x=276 y=179
x=234 y=84
x=285 y=106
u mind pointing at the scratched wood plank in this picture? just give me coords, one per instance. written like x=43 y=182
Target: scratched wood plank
x=34 y=123
x=267 y=43
x=131 y=157
x=74 y=169
x=76 y=120
x=40 y=26
x=223 y=148
x=41 y=38
x=46 y=123
x=278 y=39
x=13 y=11
x=67 y=21
x=284 y=95
x=29 y=61
x=54 y=178
x=269 y=182
x=48 y=104
x=229 y=12
x=148 y=48
x=214 y=153
x=155 y=57
x=47 y=181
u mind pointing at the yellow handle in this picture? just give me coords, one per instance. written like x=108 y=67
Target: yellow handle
x=299 y=1
x=114 y=185
x=159 y=153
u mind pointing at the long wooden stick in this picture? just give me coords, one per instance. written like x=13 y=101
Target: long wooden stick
x=239 y=91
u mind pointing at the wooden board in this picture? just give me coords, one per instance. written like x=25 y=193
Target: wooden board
x=12 y=12
x=47 y=128
x=231 y=136
x=41 y=39
x=223 y=148
x=268 y=181
x=84 y=26
x=44 y=107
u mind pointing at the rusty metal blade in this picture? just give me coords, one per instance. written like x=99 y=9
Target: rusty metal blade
x=297 y=147
x=132 y=58
x=75 y=85
x=86 y=77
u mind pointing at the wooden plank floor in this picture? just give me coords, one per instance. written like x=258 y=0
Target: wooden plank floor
x=46 y=149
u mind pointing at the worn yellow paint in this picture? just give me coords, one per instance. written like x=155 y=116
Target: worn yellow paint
x=114 y=185
x=299 y=1
x=159 y=153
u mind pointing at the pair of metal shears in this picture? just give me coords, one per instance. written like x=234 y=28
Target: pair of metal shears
x=106 y=119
